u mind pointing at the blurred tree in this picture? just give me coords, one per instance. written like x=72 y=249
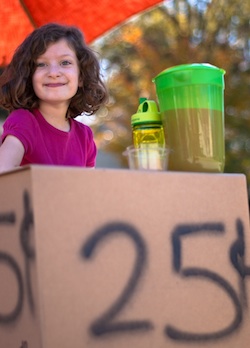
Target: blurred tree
x=178 y=32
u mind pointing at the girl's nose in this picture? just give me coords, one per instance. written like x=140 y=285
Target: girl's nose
x=54 y=70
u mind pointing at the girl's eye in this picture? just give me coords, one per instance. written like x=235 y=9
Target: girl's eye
x=40 y=65
x=66 y=62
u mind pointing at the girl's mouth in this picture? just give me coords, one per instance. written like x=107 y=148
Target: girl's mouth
x=54 y=84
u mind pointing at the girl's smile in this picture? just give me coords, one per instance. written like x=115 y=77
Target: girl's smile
x=54 y=84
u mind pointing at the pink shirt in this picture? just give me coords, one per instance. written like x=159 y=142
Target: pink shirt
x=45 y=144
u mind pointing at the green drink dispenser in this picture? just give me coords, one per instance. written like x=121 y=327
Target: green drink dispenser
x=191 y=102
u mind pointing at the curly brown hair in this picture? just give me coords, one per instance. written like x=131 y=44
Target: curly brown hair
x=16 y=89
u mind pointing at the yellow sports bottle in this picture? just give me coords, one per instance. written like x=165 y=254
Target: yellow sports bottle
x=147 y=128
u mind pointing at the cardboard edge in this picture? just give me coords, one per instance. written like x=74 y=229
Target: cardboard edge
x=15 y=170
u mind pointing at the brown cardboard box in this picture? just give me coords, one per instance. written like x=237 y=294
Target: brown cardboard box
x=119 y=258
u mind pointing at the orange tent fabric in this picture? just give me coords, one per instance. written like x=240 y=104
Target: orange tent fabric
x=94 y=17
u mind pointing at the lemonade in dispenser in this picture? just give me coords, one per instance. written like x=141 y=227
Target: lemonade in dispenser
x=191 y=101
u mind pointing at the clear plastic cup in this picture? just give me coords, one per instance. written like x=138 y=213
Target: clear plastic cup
x=147 y=157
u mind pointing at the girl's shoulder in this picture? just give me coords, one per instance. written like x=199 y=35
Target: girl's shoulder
x=20 y=115
x=81 y=127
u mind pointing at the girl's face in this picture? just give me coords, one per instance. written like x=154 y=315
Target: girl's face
x=56 y=76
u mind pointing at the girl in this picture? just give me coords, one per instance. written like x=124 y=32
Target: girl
x=52 y=78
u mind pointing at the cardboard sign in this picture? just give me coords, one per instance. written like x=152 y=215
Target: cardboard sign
x=120 y=258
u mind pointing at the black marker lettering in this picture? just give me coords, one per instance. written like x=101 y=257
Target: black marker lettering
x=180 y=335
x=7 y=218
x=237 y=257
x=29 y=253
x=13 y=315
x=105 y=324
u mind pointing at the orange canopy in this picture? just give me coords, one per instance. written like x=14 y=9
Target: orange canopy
x=94 y=17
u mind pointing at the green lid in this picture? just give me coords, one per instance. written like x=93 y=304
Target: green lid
x=142 y=99
x=190 y=74
x=147 y=112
